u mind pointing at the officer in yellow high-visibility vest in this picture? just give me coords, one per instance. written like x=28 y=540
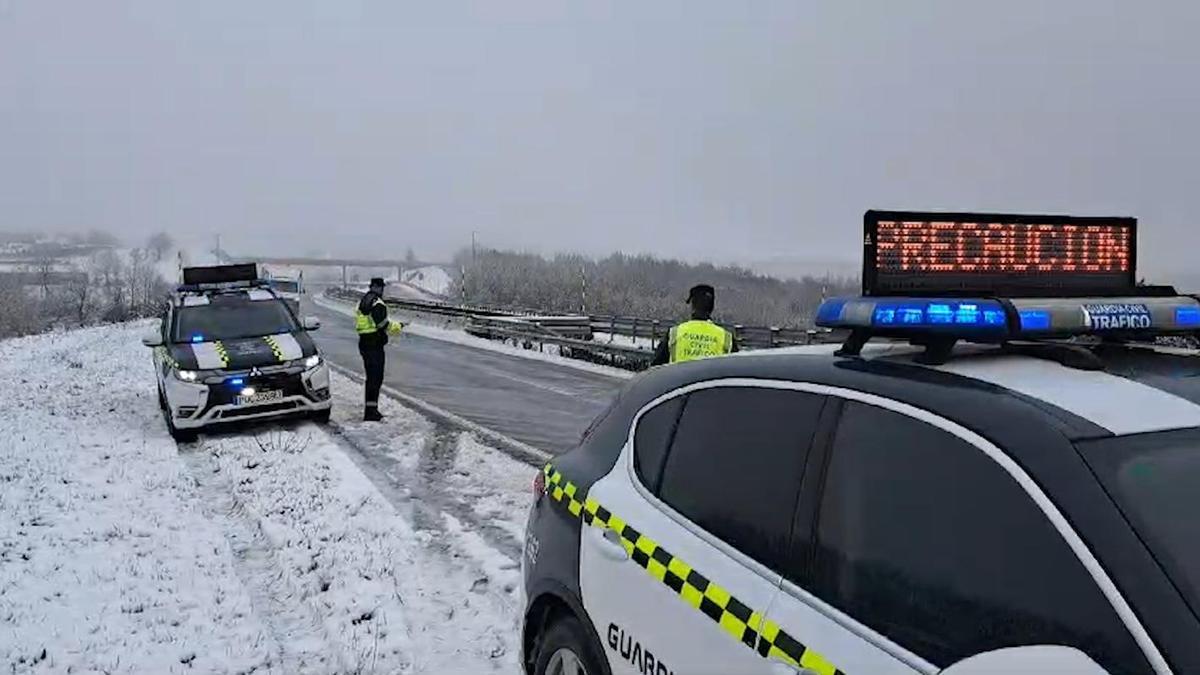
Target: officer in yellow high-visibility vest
x=698 y=338
x=373 y=326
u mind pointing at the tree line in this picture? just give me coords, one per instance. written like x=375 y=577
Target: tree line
x=108 y=285
x=638 y=285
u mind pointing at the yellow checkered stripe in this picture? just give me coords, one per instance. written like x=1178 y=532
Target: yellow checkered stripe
x=742 y=623
x=222 y=352
x=165 y=354
x=274 y=345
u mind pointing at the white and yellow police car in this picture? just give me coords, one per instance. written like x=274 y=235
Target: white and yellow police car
x=229 y=348
x=997 y=472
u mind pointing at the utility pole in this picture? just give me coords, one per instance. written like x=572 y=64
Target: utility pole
x=582 y=290
x=472 y=248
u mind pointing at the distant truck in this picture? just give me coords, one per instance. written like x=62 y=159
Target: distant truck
x=288 y=288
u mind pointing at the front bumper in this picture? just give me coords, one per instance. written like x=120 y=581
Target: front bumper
x=195 y=405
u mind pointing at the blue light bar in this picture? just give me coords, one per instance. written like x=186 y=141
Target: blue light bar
x=237 y=382
x=197 y=338
x=1035 y=320
x=1187 y=317
x=978 y=318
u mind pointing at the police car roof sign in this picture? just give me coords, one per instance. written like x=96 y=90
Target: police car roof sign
x=999 y=255
x=220 y=274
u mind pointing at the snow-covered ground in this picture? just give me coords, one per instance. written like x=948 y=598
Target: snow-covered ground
x=431 y=279
x=286 y=548
x=459 y=337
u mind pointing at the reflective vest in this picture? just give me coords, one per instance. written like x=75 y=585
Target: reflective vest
x=363 y=323
x=698 y=339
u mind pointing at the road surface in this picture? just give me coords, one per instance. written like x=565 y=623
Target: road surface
x=542 y=404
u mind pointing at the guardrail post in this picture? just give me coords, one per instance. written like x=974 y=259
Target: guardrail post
x=737 y=334
x=774 y=339
x=654 y=334
x=612 y=328
x=809 y=335
x=634 y=332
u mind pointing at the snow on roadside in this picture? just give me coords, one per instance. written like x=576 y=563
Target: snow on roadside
x=106 y=562
x=274 y=548
x=361 y=567
x=431 y=279
x=459 y=337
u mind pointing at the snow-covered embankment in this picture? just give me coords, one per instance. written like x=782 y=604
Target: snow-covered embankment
x=286 y=548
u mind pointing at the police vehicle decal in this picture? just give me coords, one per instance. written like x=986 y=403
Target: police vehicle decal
x=742 y=623
x=1117 y=316
x=210 y=355
x=284 y=347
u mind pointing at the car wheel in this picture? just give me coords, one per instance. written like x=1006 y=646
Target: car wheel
x=321 y=416
x=180 y=435
x=566 y=650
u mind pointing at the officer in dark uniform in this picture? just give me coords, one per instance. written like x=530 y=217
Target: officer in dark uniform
x=373 y=327
x=699 y=337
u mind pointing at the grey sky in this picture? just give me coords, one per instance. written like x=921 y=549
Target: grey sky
x=731 y=130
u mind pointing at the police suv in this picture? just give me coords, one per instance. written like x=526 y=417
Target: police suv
x=230 y=348
x=997 y=472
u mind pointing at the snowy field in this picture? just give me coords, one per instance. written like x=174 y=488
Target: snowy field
x=286 y=548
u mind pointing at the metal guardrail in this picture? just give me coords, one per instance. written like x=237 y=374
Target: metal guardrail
x=584 y=337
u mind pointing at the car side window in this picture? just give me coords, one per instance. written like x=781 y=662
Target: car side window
x=652 y=438
x=925 y=539
x=736 y=462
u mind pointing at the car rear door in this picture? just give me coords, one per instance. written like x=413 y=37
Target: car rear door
x=917 y=549
x=680 y=564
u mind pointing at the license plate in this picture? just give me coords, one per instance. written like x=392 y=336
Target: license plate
x=259 y=397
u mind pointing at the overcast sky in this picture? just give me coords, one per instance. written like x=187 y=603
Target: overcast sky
x=720 y=129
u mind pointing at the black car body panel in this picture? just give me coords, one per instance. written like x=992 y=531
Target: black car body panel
x=243 y=353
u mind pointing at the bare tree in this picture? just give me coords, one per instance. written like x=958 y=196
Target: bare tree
x=160 y=244
x=43 y=270
x=18 y=310
x=410 y=258
x=78 y=291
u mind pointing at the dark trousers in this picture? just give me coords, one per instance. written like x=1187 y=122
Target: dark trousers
x=373 y=362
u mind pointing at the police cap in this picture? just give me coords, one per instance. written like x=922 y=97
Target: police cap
x=700 y=291
x=377 y=281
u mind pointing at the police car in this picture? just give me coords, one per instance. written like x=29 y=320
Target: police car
x=997 y=472
x=229 y=348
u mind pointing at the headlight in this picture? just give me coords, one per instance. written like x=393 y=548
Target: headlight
x=312 y=361
x=187 y=375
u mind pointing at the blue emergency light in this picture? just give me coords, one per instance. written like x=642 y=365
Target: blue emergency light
x=938 y=278
x=197 y=338
x=1002 y=319
x=237 y=382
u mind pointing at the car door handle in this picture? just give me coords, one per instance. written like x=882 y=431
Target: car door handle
x=610 y=544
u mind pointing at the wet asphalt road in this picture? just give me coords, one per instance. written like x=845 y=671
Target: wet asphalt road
x=542 y=404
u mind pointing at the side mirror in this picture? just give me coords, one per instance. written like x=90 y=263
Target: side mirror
x=311 y=323
x=1040 y=659
x=152 y=339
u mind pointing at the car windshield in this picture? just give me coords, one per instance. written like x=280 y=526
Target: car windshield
x=1155 y=479
x=232 y=318
x=285 y=286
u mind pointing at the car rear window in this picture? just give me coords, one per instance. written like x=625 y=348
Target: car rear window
x=231 y=319
x=1155 y=480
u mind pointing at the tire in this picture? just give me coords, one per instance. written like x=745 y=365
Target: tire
x=566 y=642
x=321 y=416
x=180 y=435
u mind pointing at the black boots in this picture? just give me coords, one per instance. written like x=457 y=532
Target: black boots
x=371 y=414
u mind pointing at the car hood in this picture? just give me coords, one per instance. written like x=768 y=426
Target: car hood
x=243 y=353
